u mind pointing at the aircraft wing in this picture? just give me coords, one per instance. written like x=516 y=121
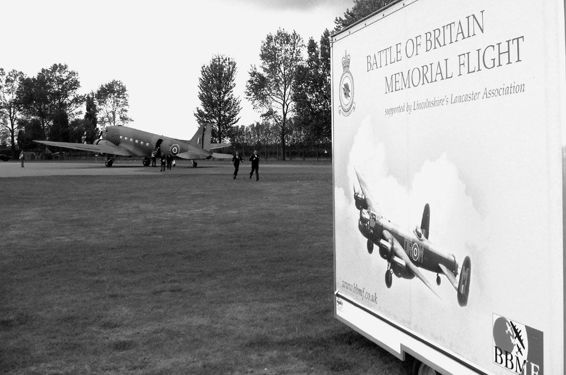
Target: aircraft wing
x=217 y=155
x=399 y=252
x=102 y=148
x=449 y=275
x=191 y=155
x=216 y=146
x=372 y=205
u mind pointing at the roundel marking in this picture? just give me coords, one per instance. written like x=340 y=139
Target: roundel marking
x=174 y=149
x=415 y=251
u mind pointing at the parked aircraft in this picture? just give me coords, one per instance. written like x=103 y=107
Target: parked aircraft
x=407 y=253
x=126 y=141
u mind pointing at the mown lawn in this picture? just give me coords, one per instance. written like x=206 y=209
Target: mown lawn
x=182 y=273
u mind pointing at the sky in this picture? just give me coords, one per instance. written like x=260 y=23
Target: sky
x=156 y=48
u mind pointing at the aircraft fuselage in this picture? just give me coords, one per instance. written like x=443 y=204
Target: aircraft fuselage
x=141 y=143
x=419 y=250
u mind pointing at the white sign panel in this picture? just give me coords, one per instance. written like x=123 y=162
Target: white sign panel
x=448 y=120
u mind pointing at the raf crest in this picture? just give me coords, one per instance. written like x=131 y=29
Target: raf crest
x=346 y=89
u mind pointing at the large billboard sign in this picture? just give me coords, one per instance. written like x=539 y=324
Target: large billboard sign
x=448 y=126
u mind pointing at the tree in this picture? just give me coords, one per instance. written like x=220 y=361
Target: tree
x=52 y=92
x=361 y=9
x=33 y=95
x=63 y=87
x=84 y=130
x=270 y=88
x=10 y=105
x=29 y=130
x=90 y=122
x=113 y=105
x=219 y=106
x=312 y=94
x=60 y=130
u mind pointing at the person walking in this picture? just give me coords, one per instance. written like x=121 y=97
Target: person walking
x=255 y=165
x=237 y=159
x=22 y=157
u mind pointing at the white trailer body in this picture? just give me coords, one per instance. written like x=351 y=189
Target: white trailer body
x=458 y=106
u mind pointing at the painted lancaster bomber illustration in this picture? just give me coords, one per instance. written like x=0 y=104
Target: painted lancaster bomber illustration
x=407 y=253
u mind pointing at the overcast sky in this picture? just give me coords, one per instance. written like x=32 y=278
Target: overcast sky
x=156 y=48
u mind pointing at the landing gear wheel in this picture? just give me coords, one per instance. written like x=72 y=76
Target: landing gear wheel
x=388 y=278
x=146 y=162
x=109 y=162
x=370 y=246
x=438 y=279
x=194 y=164
x=420 y=368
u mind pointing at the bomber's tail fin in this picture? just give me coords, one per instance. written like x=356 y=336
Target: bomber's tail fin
x=202 y=137
x=464 y=283
x=425 y=222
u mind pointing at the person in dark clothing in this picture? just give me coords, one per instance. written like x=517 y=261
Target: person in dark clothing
x=153 y=159
x=169 y=161
x=255 y=165
x=237 y=159
x=163 y=163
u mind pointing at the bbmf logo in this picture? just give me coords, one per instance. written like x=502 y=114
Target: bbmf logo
x=517 y=347
x=346 y=89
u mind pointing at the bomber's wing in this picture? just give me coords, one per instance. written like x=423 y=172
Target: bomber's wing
x=400 y=253
x=100 y=148
x=372 y=204
x=449 y=275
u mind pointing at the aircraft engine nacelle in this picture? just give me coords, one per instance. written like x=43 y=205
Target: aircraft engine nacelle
x=360 y=200
x=402 y=271
x=385 y=250
x=363 y=223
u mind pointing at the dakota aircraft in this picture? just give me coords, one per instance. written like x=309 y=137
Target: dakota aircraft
x=407 y=253
x=125 y=141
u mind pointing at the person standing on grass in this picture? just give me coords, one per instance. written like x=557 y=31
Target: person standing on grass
x=153 y=159
x=163 y=161
x=255 y=165
x=169 y=161
x=237 y=159
x=22 y=157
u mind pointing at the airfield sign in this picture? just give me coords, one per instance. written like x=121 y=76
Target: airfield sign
x=448 y=136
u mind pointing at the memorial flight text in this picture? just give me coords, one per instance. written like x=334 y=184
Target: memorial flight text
x=491 y=56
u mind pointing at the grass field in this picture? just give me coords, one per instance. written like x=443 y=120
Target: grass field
x=187 y=272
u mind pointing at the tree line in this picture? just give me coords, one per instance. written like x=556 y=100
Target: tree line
x=49 y=106
x=290 y=89
x=292 y=93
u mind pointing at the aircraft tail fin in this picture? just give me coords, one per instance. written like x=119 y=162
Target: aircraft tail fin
x=464 y=283
x=202 y=137
x=425 y=222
